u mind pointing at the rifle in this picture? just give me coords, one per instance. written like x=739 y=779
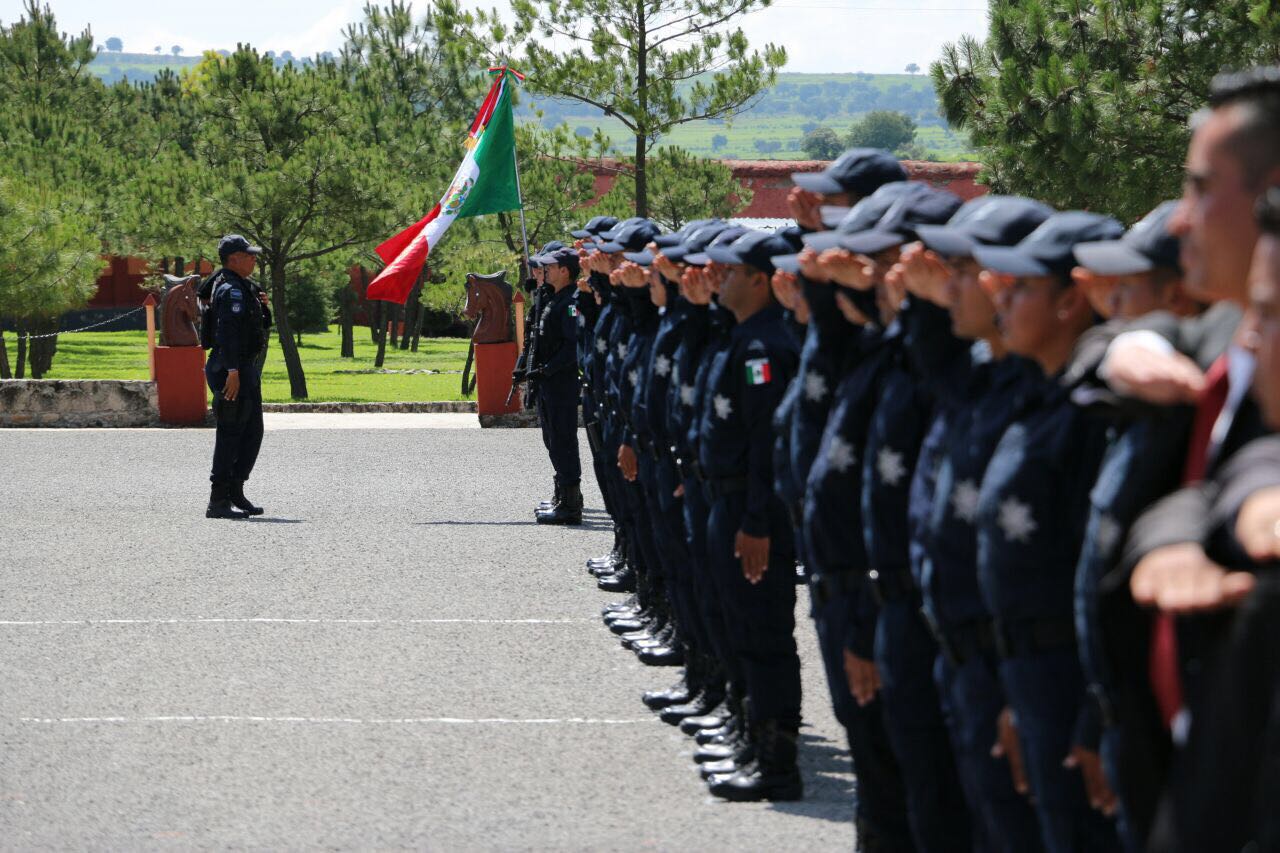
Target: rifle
x=526 y=361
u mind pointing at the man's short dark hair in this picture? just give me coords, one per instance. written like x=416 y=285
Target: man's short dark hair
x=1268 y=212
x=1256 y=95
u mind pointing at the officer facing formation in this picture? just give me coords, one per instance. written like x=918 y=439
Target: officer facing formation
x=963 y=422
x=554 y=374
x=235 y=329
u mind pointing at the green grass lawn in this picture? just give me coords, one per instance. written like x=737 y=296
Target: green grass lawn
x=330 y=378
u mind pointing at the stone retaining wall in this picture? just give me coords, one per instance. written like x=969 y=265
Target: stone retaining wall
x=77 y=403
x=459 y=407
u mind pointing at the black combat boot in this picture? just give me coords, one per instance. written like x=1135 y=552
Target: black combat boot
x=623 y=580
x=707 y=700
x=240 y=502
x=568 y=510
x=680 y=692
x=220 y=503
x=547 y=506
x=773 y=775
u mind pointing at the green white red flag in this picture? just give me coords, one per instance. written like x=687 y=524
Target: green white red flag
x=484 y=183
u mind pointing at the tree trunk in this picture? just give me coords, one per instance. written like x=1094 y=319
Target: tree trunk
x=412 y=310
x=288 y=347
x=396 y=312
x=41 y=350
x=21 y=372
x=642 y=101
x=5 y=373
x=179 y=267
x=380 y=321
x=346 y=319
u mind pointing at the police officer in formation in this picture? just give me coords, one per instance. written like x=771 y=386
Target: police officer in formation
x=235 y=329
x=1020 y=457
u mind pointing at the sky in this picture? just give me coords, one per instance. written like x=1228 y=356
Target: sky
x=821 y=36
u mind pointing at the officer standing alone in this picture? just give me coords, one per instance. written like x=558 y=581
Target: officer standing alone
x=235 y=328
x=555 y=375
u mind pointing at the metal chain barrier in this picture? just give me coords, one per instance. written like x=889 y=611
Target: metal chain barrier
x=85 y=328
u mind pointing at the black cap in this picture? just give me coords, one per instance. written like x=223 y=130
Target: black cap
x=990 y=220
x=864 y=215
x=754 y=249
x=899 y=223
x=698 y=241
x=633 y=238
x=595 y=225
x=858 y=171
x=724 y=238
x=1048 y=249
x=233 y=243
x=545 y=250
x=620 y=226
x=565 y=256
x=1146 y=246
x=677 y=237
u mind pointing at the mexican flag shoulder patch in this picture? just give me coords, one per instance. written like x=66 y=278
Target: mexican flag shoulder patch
x=759 y=371
x=573 y=310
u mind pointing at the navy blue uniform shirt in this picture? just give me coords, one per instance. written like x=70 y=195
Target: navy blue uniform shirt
x=745 y=383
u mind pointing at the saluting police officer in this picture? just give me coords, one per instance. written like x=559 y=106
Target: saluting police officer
x=236 y=327
x=555 y=372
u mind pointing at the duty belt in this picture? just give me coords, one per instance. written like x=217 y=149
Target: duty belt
x=719 y=487
x=963 y=642
x=892 y=585
x=1033 y=636
x=829 y=585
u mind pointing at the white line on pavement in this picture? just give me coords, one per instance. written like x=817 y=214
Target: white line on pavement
x=28 y=623
x=382 y=721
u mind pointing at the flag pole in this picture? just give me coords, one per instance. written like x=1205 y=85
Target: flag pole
x=524 y=232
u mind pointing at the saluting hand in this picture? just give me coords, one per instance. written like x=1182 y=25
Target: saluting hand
x=923 y=273
x=1182 y=579
x=1258 y=525
x=847 y=269
x=806 y=208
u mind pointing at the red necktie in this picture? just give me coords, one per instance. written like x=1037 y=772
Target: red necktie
x=1166 y=680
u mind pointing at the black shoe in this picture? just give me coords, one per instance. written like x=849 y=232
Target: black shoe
x=220 y=503
x=547 y=506
x=698 y=706
x=714 y=752
x=623 y=580
x=568 y=510
x=628 y=626
x=676 y=694
x=617 y=606
x=772 y=776
x=240 y=502
x=692 y=725
x=661 y=656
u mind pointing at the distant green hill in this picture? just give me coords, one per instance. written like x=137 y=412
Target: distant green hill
x=771 y=129
x=138 y=67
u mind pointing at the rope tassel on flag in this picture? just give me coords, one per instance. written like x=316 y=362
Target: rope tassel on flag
x=486 y=182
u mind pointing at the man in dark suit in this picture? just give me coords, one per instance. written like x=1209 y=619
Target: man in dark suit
x=1234 y=156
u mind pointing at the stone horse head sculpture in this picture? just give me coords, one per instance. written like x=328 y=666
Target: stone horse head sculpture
x=180 y=312
x=489 y=304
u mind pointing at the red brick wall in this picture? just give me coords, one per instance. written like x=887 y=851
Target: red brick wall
x=770 y=180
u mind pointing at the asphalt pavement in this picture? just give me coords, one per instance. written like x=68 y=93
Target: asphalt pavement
x=395 y=656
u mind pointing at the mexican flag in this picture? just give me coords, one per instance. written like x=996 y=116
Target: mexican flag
x=484 y=183
x=759 y=371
